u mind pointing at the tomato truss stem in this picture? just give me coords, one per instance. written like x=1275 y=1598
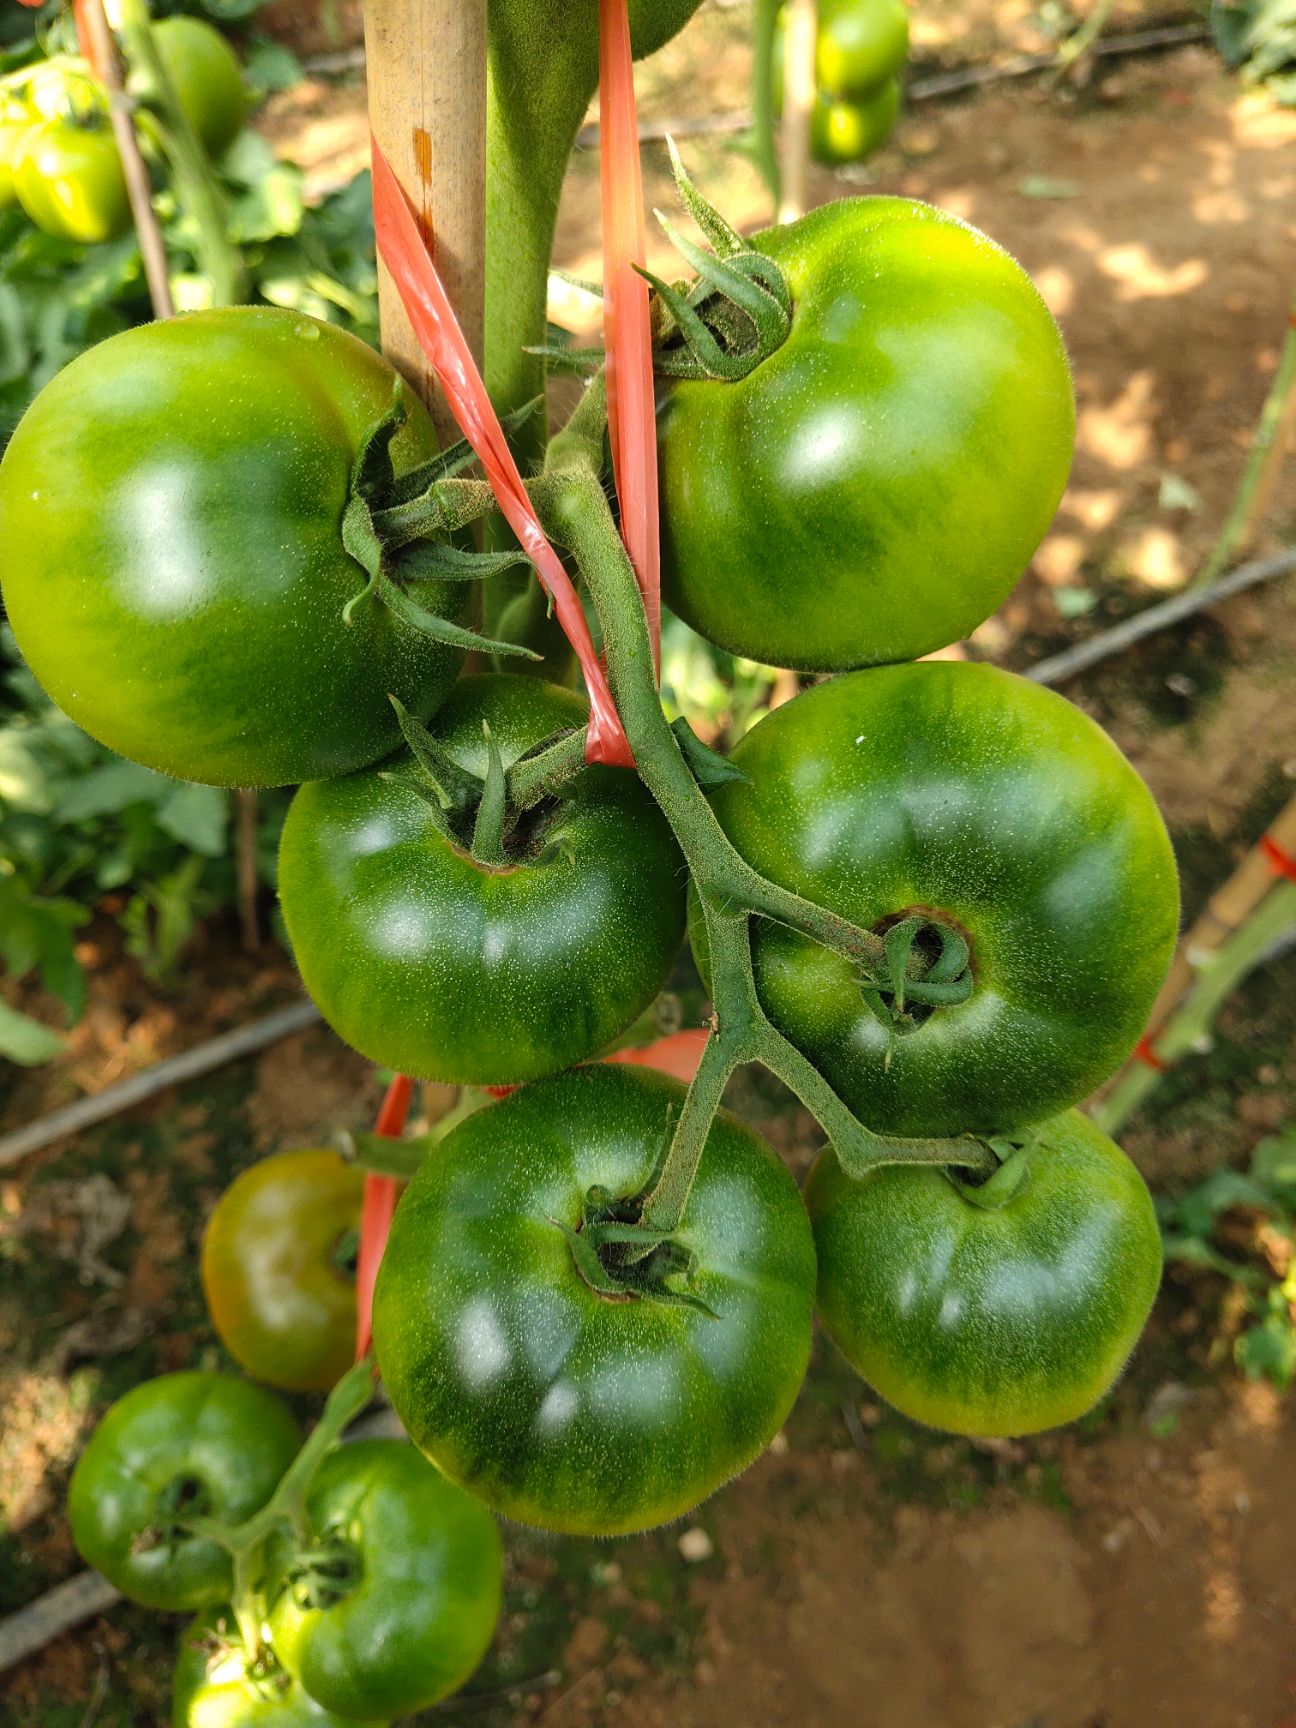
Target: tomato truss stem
x=571 y=503
x=286 y=1509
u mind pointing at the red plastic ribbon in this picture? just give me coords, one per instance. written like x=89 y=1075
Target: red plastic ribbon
x=86 y=37
x=379 y=1207
x=1144 y=1053
x=627 y=324
x=428 y=307
x=1280 y=862
x=678 y=1053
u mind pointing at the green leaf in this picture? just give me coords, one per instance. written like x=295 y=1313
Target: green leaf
x=111 y=788
x=196 y=816
x=25 y=1040
x=1268 y=1351
x=269 y=66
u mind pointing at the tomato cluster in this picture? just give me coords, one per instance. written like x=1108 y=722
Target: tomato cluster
x=376 y=1592
x=58 y=157
x=931 y=896
x=860 y=49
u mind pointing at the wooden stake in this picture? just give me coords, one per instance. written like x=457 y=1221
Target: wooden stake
x=427 y=109
x=799 y=49
x=138 y=188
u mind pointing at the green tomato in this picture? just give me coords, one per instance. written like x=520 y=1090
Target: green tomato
x=434 y=964
x=207 y=79
x=184 y=1446
x=68 y=178
x=15 y=122
x=171 y=550
x=401 y=1597
x=215 y=1686
x=861 y=45
x=560 y=1406
x=989 y=808
x=873 y=488
x=278 y=1268
x=998 y=1310
x=842 y=132
x=859 y=49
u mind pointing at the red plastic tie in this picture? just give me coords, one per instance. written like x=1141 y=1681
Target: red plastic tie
x=423 y=295
x=1280 y=862
x=378 y=1209
x=627 y=320
x=86 y=37
x=1144 y=1053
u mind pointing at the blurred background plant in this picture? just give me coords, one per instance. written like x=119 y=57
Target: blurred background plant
x=1258 y=39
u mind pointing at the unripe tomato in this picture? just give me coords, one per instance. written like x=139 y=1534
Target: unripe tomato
x=69 y=180
x=215 y=1686
x=278 y=1268
x=860 y=46
x=207 y=78
x=991 y=809
x=997 y=1310
x=558 y=1405
x=842 y=132
x=184 y=1445
x=15 y=121
x=171 y=550
x=410 y=1571
x=876 y=485
x=434 y=963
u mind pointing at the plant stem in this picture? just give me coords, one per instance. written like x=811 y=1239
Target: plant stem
x=538 y=777
x=1216 y=982
x=1266 y=454
x=287 y=1506
x=574 y=511
x=764 y=148
x=219 y=260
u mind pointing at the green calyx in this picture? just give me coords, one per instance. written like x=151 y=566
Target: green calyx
x=401 y=529
x=501 y=821
x=183 y=1498
x=622 y=1259
x=1005 y=1183
x=322 y=1576
x=734 y=316
x=927 y=966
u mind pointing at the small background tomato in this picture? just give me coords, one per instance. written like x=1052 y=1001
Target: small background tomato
x=278 y=1268
x=558 y=1406
x=990 y=1321
x=424 y=1573
x=434 y=964
x=209 y=1445
x=986 y=803
x=68 y=178
x=213 y=1688
x=861 y=44
x=843 y=132
x=207 y=78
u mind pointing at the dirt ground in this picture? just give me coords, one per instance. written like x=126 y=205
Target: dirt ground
x=1134 y=1572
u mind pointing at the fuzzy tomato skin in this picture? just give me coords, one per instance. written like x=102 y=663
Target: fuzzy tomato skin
x=874 y=488
x=278 y=1295
x=990 y=1322
x=998 y=807
x=423 y=1609
x=171 y=553
x=436 y=965
x=560 y=1407
x=213 y=1444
